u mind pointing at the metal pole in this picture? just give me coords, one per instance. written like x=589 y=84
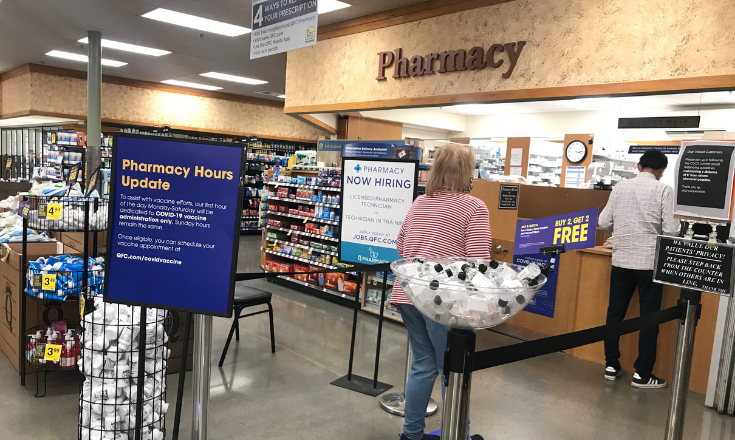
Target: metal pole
x=458 y=360
x=380 y=329
x=201 y=375
x=682 y=365
x=395 y=403
x=354 y=326
x=94 y=99
x=182 y=376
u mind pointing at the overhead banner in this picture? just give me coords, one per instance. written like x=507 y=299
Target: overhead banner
x=694 y=264
x=376 y=196
x=575 y=231
x=282 y=25
x=704 y=180
x=174 y=220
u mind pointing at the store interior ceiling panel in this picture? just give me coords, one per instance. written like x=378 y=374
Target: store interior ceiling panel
x=31 y=28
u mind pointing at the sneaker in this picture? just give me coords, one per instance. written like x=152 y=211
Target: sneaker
x=612 y=373
x=476 y=437
x=649 y=382
x=425 y=437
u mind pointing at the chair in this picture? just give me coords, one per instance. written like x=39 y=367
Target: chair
x=248 y=297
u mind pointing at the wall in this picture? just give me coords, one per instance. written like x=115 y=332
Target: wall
x=54 y=94
x=569 y=43
x=367 y=128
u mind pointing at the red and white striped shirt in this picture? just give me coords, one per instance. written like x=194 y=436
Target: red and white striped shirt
x=446 y=224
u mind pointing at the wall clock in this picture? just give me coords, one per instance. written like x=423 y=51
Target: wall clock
x=576 y=151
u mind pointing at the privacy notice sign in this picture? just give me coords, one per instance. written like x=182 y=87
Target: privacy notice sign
x=376 y=196
x=694 y=264
x=282 y=25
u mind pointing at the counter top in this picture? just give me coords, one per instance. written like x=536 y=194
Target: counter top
x=599 y=250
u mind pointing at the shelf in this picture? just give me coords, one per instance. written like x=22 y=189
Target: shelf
x=296 y=185
x=251 y=197
x=316 y=287
x=252 y=217
x=308 y=234
x=254 y=185
x=303 y=260
x=308 y=202
x=374 y=308
x=288 y=243
x=303 y=217
x=379 y=280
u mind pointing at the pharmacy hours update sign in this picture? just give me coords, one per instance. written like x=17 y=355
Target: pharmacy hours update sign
x=174 y=218
x=282 y=25
x=376 y=196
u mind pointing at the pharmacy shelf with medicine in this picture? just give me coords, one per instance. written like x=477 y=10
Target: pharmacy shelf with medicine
x=302 y=232
x=545 y=163
x=621 y=168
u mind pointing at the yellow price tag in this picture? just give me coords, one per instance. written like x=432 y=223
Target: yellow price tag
x=48 y=282
x=81 y=305
x=306 y=220
x=52 y=353
x=53 y=211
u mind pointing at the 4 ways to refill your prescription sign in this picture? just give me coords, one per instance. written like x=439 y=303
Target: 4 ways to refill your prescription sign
x=130 y=165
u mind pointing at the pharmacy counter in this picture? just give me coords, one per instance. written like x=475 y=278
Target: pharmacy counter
x=581 y=302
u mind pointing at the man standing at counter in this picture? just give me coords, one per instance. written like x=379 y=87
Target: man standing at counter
x=637 y=212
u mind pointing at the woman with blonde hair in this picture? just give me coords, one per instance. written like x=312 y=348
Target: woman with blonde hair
x=445 y=221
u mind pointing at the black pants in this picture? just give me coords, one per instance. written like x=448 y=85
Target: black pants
x=623 y=283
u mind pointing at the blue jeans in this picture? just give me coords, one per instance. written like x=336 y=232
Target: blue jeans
x=428 y=342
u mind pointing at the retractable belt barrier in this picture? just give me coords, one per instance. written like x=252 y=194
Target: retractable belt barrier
x=357 y=268
x=539 y=347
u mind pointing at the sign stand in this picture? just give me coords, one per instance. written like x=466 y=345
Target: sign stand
x=394 y=403
x=201 y=375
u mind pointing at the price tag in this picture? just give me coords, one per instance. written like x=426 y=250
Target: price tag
x=24 y=208
x=9 y=163
x=52 y=352
x=42 y=210
x=48 y=282
x=289 y=232
x=81 y=305
x=40 y=350
x=37 y=280
x=306 y=220
x=54 y=211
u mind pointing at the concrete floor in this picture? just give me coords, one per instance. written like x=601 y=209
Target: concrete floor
x=264 y=396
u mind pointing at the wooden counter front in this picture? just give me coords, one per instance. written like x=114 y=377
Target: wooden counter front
x=592 y=299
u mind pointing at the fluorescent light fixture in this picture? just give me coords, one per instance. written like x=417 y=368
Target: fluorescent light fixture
x=175 y=82
x=129 y=47
x=194 y=22
x=82 y=58
x=281 y=96
x=325 y=6
x=234 y=78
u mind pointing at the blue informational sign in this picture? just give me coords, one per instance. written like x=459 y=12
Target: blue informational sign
x=175 y=208
x=575 y=231
x=384 y=149
x=545 y=300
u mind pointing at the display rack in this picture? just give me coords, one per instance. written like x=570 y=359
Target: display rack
x=373 y=288
x=25 y=149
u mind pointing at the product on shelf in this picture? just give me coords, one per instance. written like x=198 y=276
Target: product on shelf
x=68 y=276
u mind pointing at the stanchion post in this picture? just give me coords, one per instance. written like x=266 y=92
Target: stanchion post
x=142 y=337
x=395 y=403
x=201 y=375
x=182 y=376
x=354 y=326
x=458 y=366
x=687 y=326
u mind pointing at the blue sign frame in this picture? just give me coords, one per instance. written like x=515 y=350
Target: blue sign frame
x=200 y=282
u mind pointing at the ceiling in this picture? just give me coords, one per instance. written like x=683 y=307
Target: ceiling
x=31 y=28
x=663 y=102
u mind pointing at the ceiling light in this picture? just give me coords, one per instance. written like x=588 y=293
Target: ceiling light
x=194 y=22
x=83 y=58
x=175 y=82
x=129 y=47
x=281 y=96
x=240 y=79
x=325 y=6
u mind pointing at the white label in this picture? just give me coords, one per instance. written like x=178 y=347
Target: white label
x=279 y=26
x=574 y=177
x=516 y=171
x=516 y=157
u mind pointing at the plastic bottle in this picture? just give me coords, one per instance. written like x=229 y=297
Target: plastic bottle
x=31 y=350
x=68 y=357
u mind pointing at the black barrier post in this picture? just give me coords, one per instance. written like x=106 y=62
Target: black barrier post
x=687 y=325
x=182 y=376
x=458 y=366
x=353 y=381
x=380 y=329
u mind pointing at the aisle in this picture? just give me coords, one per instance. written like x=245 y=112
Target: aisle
x=264 y=396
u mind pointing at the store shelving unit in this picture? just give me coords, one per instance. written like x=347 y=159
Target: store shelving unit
x=373 y=289
x=621 y=169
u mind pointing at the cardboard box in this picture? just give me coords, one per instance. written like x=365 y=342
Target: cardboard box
x=75 y=241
